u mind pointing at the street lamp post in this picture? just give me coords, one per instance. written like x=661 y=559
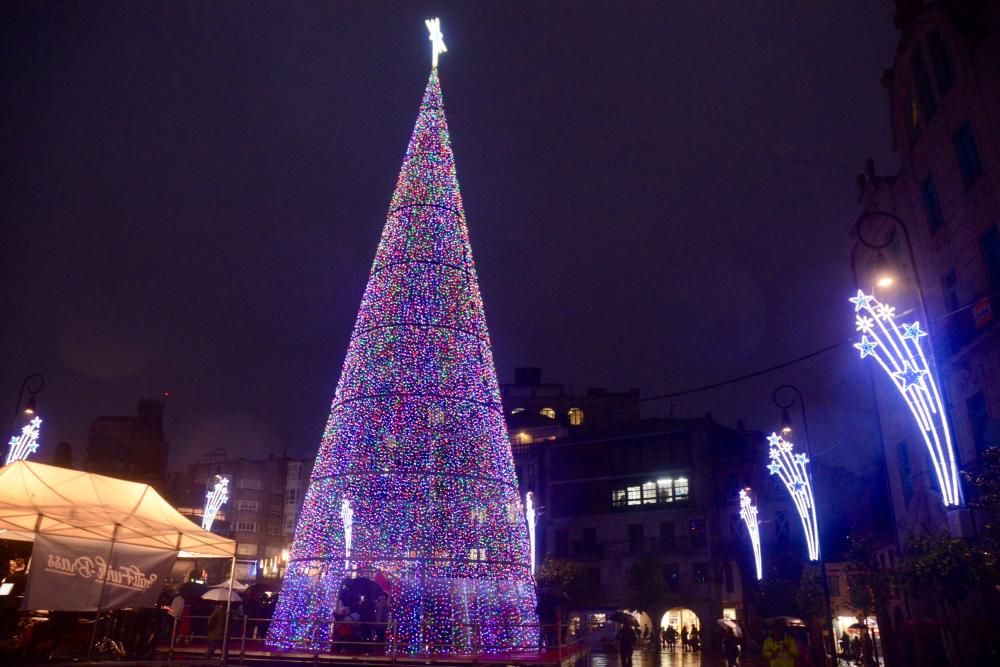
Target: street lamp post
x=883 y=278
x=786 y=428
x=33 y=384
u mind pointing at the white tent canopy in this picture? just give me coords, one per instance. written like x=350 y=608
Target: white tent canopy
x=38 y=499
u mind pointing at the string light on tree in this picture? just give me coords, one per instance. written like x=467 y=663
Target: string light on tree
x=214 y=500
x=748 y=512
x=790 y=467
x=416 y=439
x=898 y=351
x=24 y=445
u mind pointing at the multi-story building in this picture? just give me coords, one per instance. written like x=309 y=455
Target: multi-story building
x=943 y=201
x=132 y=448
x=657 y=490
x=944 y=101
x=594 y=409
x=265 y=496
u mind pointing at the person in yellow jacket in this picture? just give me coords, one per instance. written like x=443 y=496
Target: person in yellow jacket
x=780 y=649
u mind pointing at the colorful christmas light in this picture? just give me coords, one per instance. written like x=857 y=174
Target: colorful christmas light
x=214 y=500
x=748 y=512
x=897 y=349
x=416 y=440
x=790 y=467
x=24 y=445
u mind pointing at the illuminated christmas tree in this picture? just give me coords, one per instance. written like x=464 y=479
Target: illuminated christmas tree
x=414 y=483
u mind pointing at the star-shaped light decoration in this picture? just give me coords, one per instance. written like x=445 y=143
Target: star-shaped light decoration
x=798 y=486
x=774 y=467
x=801 y=459
x=861 y=301
x=773 y=439
x=866 y=346
x=864 y=324
x=909 y=376
x=913 y=331
x=437 y=39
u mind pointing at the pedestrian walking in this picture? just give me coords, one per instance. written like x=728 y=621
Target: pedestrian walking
x=731 y=648
x=780 y=650
x=216 y=629
x=626 y=644
x=685 y=645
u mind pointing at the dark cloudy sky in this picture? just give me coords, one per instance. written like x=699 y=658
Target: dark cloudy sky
x=659 y=195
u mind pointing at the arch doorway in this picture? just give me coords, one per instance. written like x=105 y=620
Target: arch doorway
x=680 y=617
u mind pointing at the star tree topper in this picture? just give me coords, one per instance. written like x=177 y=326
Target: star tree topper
x=437 y=39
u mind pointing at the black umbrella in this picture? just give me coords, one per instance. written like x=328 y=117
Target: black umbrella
x=192 y=590
x=352 y=589
x=622 y=617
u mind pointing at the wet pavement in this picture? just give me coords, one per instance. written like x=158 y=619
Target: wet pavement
x=645 y=659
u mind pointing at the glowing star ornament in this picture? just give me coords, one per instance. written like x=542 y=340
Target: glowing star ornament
x=790 y=467
x=214 y=500
x=24 y=445
x=898 y=351
x=416 y=439
x=437 y=40
x=748 y=512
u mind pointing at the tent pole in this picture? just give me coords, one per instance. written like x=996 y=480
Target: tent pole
x=100 y=596
x=229 y=605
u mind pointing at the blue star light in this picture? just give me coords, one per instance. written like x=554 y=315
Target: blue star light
x=866 y=346
x=774 y=439
x=913 y=331
x=775 y=467
x=909 y=376
x=861 y=301
x=801 y=459
x=798 y=486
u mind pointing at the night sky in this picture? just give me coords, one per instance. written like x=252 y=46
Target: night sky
x=659 y=196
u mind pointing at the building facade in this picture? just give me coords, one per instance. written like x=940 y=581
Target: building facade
x=265 y=497
x=944 y=94
x=132 y=448
x=663 y=493
x=937 y=217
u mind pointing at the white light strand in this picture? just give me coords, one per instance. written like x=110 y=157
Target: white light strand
x=214 y=500
x=790 y=467
x=897 y=349
x=347 y=516
x=532 y=519
x=22 y=446
x=748 y=512
x=437 y=39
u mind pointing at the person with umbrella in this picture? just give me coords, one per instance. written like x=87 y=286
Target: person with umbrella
x=731 y=648
x=626 y=644
x=216 y=629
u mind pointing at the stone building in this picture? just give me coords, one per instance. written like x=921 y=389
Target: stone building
x=132 y=448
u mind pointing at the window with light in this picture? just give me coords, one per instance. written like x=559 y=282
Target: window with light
x=548 y=412
x=575 y=416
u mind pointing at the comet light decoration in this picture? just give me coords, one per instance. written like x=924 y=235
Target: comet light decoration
x=214 y=500
x=347 y=518
x=24 y=445
x=748 y=512
x=416 y=439
x=790 y=467
x=897 y=349
x=531 y=516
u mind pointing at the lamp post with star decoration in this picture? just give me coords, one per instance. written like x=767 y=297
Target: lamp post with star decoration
x=795 y=472
x=898 y=350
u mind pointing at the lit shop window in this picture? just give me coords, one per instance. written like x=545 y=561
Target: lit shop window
x=523 y=438
x=575 y=416
x=660 y=492
x=548 y=412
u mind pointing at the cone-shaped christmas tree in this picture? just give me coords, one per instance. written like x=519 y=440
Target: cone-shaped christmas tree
x=414 y=483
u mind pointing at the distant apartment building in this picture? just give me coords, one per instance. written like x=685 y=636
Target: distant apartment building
x=664 y=491
x=132 y=448
x=264 y=501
